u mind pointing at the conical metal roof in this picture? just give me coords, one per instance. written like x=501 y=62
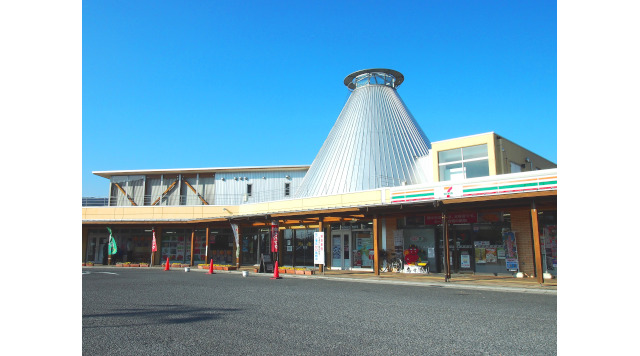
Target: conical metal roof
x=374 y=143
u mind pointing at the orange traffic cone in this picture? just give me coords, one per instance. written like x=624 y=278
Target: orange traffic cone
x=166 y=266
x=276 y=274
x=211 y=267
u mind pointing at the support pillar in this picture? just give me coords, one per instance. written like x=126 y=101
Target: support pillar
x=376 y=247
x=536 y=243
x=193 y=234
x=321 y=229
x=206 y=249
x=445 y=232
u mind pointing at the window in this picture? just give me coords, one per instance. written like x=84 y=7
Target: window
x=515 y=168
x=249 y=189
x=287 y=190
x=462 y=163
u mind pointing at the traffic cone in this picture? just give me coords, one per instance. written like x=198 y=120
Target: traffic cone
x=211 y=267
x=276 y=274
x=166 y=266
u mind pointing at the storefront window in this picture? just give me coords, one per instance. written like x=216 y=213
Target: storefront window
x=221 y=243
x=176 y=245
x=475 y=241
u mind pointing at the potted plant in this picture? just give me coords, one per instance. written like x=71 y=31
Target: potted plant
x=144 y=264
x=299 y=270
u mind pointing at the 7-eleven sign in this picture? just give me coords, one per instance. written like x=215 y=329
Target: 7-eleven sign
x=449 y=191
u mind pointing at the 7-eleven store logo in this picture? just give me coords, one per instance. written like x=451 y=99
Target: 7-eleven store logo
x=452 y=191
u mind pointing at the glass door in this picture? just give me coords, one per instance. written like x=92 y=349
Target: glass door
x=340 y=250
x=97 y=250
x=346 y=262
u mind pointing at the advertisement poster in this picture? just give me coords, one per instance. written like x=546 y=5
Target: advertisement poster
x=336 y=248
x=465 y=261
x=509 y=241
x=491 y=255
x=480 y=255
x=512 y=264
x=318 y=248
x=500 y=251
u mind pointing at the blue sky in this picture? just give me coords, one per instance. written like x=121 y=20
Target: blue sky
x=218 y=84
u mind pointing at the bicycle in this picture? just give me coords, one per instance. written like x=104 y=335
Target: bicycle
x=390 y=263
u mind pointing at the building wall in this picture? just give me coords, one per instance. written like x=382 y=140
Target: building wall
x=517 y=154
x=231 y=187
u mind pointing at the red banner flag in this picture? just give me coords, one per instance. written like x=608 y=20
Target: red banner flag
x=154 y=246
x=274 y=236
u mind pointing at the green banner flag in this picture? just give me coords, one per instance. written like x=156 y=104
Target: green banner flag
x=113 y=248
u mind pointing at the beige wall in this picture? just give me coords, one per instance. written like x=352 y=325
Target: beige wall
x=499 y=160
x=487 y=138
x=212 y=212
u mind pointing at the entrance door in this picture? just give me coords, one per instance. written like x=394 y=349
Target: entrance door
x=340 y=250
x=96 y=251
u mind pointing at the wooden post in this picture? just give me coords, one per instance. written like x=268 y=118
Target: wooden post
x=206 y=248
x=321 y=229
x=536 y=243
x=376 y=247
x=445 y=232
x=193 y=234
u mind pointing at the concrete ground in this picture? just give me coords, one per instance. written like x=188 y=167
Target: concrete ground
x=463 y=280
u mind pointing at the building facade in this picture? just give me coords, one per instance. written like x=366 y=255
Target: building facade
x=475 y=204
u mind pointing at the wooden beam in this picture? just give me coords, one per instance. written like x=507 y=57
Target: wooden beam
x=546 y=193
x=165 y=192
x=126 y=195
x=195 y=192
x=317 y=212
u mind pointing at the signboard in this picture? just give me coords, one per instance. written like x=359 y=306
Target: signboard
x=465 y=261
x=452 y=218
x=512 y=264
x=274 y=236
x=318 y=248
x=267 y=264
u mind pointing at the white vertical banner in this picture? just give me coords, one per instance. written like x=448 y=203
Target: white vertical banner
x=318 y=248
x=234 y=228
